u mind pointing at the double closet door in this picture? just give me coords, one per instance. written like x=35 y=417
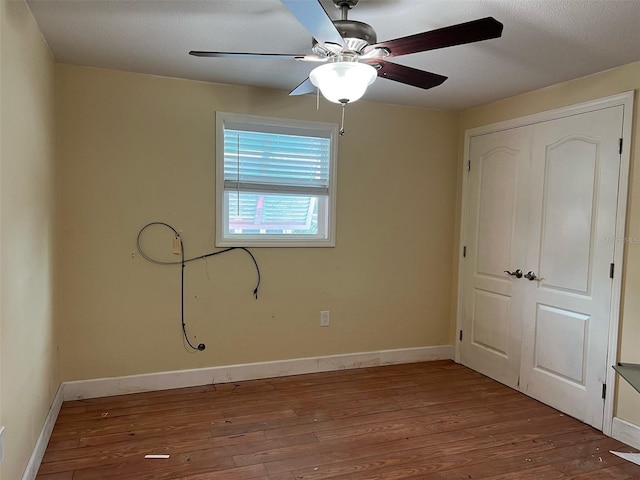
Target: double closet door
x=539 y=235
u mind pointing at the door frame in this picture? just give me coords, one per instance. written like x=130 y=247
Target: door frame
x=626 y=100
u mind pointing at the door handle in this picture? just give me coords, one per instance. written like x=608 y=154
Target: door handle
x=517 y=273
x=530 y=276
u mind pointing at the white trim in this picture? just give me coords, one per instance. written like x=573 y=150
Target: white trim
x=618 y=259
x=1 y=444
x=326 y=216
x=466 y=158
x=103 y=387
x=626 y=432
x=625 y=99
x=31 y=470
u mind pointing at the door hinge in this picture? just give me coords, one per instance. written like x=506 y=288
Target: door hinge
x=464 y=252
x=469 y=165
x=460 y=335
x=620 y=145
x=612 y=267
x=604 y=391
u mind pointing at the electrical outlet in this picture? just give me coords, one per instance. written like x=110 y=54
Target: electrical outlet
x=324 y=318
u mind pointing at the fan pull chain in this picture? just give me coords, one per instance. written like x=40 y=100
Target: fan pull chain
x=317 y=99
x=344 y=104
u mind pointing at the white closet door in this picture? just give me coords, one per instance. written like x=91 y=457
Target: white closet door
x=496 y=226
x=573 y=204
x=543 y=198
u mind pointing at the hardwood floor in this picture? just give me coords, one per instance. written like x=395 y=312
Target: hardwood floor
x=434 y=420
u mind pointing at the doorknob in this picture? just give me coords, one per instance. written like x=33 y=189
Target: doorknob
x=530 y=276
x=517 y=273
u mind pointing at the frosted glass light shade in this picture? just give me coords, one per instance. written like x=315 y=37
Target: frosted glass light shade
x=342 y=82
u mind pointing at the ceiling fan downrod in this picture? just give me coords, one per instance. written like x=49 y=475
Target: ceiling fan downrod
x=345 y=6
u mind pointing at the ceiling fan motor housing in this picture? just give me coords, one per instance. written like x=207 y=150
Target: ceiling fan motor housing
x=357 y=35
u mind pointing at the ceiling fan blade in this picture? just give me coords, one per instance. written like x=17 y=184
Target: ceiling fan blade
x=197 y=53
x=312 y=15
x=408 y=75
x=304 y=88
x=474 y=31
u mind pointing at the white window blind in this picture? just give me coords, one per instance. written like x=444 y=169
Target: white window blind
x=275 y=182
x=268 y=162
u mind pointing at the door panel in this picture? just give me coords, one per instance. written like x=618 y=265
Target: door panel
x=560 y=344
x=496 y=218
x=568 y=214
x=566 y=313
x=490 y=322
x=496 y=209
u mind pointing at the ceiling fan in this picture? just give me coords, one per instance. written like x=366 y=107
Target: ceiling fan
x=352 y=56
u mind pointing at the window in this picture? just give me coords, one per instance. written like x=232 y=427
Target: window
x=275 y=182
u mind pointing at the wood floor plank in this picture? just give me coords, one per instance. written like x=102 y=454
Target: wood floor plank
x=365 y=446
x=431 y=420
x=546 y=472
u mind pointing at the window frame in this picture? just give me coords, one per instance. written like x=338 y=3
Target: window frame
x=284 y=126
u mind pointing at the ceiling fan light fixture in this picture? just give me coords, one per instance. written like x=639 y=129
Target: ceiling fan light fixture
x=343 y=82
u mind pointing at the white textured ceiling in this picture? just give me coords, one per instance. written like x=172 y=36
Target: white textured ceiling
x=544 y=42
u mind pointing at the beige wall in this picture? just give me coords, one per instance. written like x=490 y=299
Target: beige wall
x=619 y=80
x=28 y=374
x=132 y=149
x=135 y=148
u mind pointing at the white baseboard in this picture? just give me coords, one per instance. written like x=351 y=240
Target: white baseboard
x=626 y=432
x=43 y=439
x=104 y=387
